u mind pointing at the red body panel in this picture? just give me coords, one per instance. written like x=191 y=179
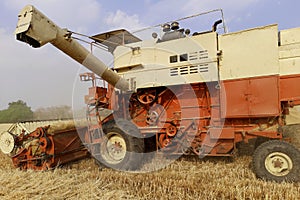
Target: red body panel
x=250 y=97
x=290 y=88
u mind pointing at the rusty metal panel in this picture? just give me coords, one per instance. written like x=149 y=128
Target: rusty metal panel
x=221 y=133
x=256 y=97
x=289 y=87
x=234 y=99
x=264 y=96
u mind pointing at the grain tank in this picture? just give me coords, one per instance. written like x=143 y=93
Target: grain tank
x=199 y=93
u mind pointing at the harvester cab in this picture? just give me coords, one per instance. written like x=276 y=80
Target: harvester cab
x=185 y=94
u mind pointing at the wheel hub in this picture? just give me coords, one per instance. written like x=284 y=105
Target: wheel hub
x=278 y=164
x=116 y=148
x=7 y=142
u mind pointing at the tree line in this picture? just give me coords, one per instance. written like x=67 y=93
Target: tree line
x=19 y=111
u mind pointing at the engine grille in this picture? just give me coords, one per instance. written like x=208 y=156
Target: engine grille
x=187 y=70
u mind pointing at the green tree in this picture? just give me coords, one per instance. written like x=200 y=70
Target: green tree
x=16 y=111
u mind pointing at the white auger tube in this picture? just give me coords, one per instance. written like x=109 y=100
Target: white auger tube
x=37 y=30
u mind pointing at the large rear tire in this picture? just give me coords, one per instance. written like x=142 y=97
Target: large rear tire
x=122 y=146
x=277 y=161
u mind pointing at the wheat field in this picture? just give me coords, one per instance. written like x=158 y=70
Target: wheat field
x=186 y=178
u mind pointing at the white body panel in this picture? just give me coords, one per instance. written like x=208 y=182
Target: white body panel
x=210 y=57
x=150 y=64
x=289 y=51
x=249 y=53
x=290 y=36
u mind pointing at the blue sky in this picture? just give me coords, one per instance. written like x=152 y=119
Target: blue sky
x=46 y=77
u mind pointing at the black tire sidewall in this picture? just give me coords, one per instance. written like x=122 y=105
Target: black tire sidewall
x=134 y=145
x=267 y=148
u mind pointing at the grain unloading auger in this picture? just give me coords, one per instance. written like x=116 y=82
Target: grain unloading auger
x=181 y=93
x=37 y=30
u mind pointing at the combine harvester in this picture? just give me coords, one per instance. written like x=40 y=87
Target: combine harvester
x=198 y=93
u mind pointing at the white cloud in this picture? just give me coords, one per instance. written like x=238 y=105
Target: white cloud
x=120 y=19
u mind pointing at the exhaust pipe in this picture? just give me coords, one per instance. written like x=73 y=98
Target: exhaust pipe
x=37 y=30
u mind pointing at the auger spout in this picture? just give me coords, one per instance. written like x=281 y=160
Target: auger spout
x=37 y=30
